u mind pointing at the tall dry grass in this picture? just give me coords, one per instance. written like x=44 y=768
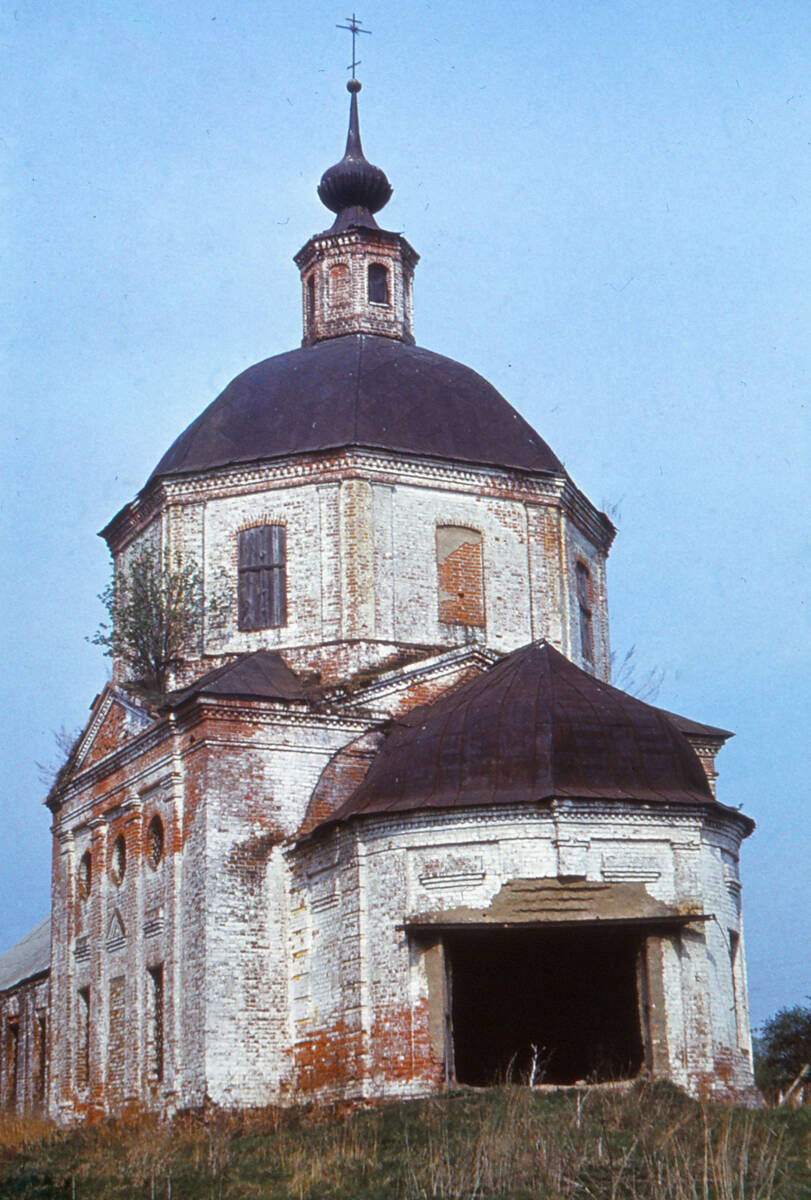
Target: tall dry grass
x=647 y=1143
x=643 y=1145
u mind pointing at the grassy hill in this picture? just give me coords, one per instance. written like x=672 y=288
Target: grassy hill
x=647 y=1143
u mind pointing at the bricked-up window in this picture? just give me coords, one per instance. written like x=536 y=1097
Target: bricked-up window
x=378 y=284
x=156 y=1022
x=85 y=875
x=83 y=1038
x=12 y=1056
x=263 y=577
x=118 y=1038
x=460 y=575
x=338 y=285
x=154 y=842
x=584 y=604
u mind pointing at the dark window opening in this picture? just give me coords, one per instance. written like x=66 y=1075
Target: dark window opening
x=263 y=577
x=572 y=994
x=156 y=1013
x=378 y=284
x=584 y=603
x=309 y=292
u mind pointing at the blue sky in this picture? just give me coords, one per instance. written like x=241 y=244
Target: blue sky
x=611 y=201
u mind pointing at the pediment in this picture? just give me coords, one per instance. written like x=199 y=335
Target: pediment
x=397 y=690
x=116 y=720
x=116 y=932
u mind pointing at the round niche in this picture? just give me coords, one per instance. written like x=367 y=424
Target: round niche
x=154 y=842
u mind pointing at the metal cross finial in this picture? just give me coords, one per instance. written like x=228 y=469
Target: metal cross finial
x=354 y=28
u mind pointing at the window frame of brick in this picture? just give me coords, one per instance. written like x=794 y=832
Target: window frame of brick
x=338 y=285
x=157 y=1046
x=82 y=1071
x=453 y=606
x=377 y=284
x=12 y=1049
x=85 y=873
x=262 y=577
x=118 y=860
x=41 y=1078
x=583 y=584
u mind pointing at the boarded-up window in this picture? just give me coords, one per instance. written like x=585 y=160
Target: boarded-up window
x=262 y=577
x=156 y=1022
x=338 y=285
x=378 y=283
x=584 y=604
x=83 y=1039
x=460 y=575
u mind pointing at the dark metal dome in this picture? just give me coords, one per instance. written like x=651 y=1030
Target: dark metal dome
x=359 y=390
x=354 y=188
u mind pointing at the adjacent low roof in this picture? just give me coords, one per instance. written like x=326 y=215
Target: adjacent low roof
x=359 y=390
x=29 y=957
x=259 y=674
x=531 y=728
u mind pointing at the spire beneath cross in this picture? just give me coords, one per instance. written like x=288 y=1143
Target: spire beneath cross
x=354 y=27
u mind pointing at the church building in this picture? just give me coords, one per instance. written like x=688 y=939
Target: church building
x=388 y=828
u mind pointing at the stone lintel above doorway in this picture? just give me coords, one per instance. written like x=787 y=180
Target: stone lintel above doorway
x=561 y=901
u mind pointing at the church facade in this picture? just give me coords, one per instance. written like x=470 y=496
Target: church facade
x=389 y=828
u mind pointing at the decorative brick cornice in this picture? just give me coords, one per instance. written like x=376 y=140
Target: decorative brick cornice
x=350 y=463
x=553 y=814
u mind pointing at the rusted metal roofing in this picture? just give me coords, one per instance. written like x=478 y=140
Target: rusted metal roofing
x=261 y=674
x=359 y=390
x=697 y=729
x=30 y=957
x=533 y=727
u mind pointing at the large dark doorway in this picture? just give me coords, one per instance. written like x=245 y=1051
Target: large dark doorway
x=572 y=993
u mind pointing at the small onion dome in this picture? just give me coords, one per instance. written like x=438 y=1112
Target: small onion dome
x=354 y=188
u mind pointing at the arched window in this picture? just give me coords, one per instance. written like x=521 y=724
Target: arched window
x=460 y=575
x=584 y=604
x=263 y=577
x=378 y=284
x=118 y=864
x=85 y=875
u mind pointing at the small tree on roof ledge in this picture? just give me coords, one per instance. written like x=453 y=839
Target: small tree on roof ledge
x=155 y=609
